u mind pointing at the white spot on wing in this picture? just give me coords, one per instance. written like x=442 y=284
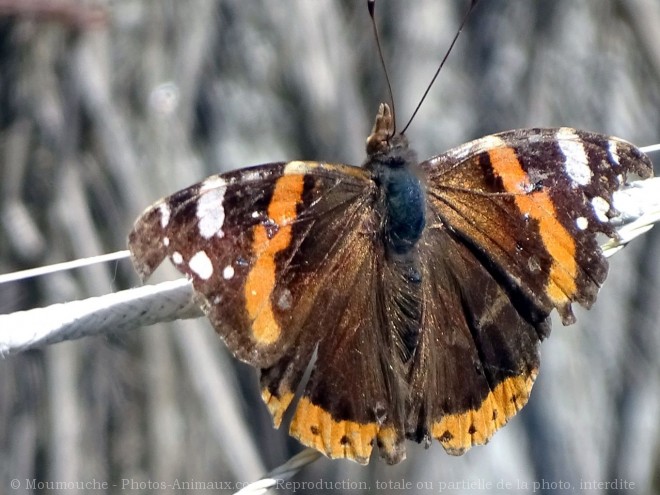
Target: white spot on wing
x=576 y=162
x=533 y=264
x=613 y=152
x=177 y=258
x=582 y=223
x=285 y=300
x=297 y=168
x=228 y=272
x=213 y=182
x=201 y=264
x=601 y=207
x=491 y=141
x=166 y=241
x=485 y=143
x=165 y=213
x=252 y=175
x=210 y=209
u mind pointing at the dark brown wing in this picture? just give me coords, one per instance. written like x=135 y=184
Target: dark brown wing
x=237 y=235
x=530 y=203
x=478 y=353
x=511 y=234
x=286 y=258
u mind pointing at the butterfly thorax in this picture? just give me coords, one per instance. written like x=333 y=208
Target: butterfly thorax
x=393 y=165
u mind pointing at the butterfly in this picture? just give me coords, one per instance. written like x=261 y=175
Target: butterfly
x=423 y=289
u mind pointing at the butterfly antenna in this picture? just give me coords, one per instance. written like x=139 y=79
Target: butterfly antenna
x=371 y=5
x=473 y=4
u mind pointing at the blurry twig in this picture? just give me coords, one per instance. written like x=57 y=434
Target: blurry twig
x=65 y=12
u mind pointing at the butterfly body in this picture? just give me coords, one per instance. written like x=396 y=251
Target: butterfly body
x=424 y=288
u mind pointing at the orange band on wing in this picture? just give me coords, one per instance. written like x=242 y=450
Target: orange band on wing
x=538 y=205
x=267 y=243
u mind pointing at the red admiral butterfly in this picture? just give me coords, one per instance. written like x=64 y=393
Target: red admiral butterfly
x=424 y=288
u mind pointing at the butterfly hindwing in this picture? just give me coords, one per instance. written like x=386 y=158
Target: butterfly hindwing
x=365 y=309
x=478 y=353
x=354 y=396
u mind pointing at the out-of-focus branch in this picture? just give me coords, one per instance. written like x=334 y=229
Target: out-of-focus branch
x=65 y=12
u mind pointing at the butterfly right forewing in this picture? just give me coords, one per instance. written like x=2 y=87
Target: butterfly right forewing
x=530 y=204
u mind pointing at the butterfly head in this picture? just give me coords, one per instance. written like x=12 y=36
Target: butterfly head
x=383 y=139
x=384 y=145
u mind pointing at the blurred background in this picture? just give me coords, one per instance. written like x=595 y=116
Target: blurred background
x=105 y=106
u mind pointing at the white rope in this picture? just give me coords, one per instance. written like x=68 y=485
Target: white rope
x=638 y=204
x=123 y=310
x=650 y=149
x=60 y=267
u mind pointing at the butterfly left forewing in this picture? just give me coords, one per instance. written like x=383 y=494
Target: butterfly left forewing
x=236 y=236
